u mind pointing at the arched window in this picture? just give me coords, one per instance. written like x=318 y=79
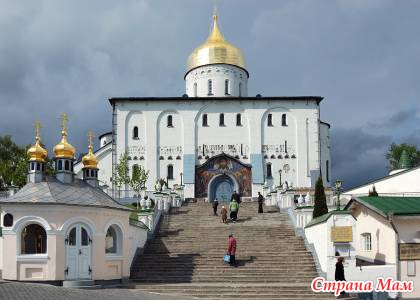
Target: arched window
x=195 y=89
x=169 y=121
x=285 y=147
x=327 y=170
x=38 y=166
x=269 y=173
x=283 y=120
x=33 y=240
x=135 y=132
x=240 y=89
x=227 y=87
x=67 y=165
x=205 y=120
x=210 y=87
x=8 y=220
x=366 y=241
x=222 y=120
x=32 y=166
x=270 y=120
x=60 y=165
x=238 y=120
x=170 y=173
x=111 y=240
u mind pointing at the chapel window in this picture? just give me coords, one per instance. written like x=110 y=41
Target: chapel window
x=8 y=220
x=38 y=167
x=32 y=166
x=270 y=120
x=33 y=240
x=227 y=87
x=205 y=120
x=222 y=120
x=170 y=172
x=135 y=132
x=195 y=89
x=366 y=241
x=238 y=120
x=240 y=89
x=283 y=120
x=67 y=165
x=210 y=87
x=169 y=122
x=111 y=241
x=60 y=165
x=269 y=172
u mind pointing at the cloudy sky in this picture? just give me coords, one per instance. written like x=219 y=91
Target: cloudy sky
x=363 y=56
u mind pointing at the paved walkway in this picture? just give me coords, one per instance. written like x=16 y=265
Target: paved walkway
x=31 y=291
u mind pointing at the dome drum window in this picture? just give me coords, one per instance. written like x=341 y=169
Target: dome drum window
x=270 y=120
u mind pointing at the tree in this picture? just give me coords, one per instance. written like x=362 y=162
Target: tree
x=373 y=192
x=395 y=151
x=121 y=176
x=138 y=180
x=320 y=207
x=13 y=163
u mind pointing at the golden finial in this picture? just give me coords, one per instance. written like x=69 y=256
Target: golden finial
x=90 y=137
x=90 y=160
x=38 y=126
x=64 y=149
x=64 y=122
x=37 y=152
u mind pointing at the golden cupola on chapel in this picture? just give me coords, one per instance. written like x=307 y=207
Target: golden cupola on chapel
x=215 y=50
x=89 y=160
x=37 y=152
x=64 y=149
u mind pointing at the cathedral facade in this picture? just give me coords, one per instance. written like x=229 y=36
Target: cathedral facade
x=216 y=139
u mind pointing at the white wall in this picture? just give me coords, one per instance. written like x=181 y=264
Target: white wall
x=188 y=135
x=403 y=183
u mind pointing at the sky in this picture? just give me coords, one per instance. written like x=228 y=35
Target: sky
x=362 y=56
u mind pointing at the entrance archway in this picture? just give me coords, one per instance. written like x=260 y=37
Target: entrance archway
x=221 y=187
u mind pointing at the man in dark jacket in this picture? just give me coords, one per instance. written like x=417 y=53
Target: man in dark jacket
x=215 y=204
x=260 y=203
x=339 y=271
x=236 y=196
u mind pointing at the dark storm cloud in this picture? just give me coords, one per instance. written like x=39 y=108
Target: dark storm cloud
x=361 y=55
x=397 y=119
x=358 y=156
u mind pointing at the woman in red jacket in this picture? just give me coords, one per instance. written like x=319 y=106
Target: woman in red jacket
x=231 y=250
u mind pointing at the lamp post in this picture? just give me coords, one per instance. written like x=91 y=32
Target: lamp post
x=338 y=184
x=180 y=174
x=280 y=177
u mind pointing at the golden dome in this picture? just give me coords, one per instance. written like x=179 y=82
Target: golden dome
x=90 y=160
x=37 y=152
x=64 y=149
x=215 y=50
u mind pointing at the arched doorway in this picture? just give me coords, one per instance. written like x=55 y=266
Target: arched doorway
x=221 y=188
x=78 y=252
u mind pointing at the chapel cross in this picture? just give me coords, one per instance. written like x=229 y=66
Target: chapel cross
x=38 y=126
x=90 y=136
x=64 y=121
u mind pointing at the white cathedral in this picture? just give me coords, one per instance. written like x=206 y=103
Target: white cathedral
x=216 y=139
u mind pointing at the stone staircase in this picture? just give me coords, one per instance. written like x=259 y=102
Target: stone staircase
x=186 y=257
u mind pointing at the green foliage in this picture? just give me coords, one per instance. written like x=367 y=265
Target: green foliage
x=13 y=163
x=138 y=178
x=394 y=154
x=373 y=192
x=121 y=176
x=320 y=206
